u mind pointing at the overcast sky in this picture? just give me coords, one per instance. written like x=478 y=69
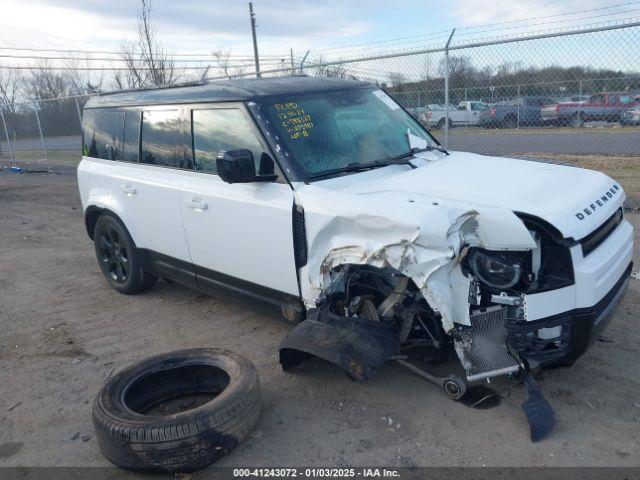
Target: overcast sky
x=204 y=25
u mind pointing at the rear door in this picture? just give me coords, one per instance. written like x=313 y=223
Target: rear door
x=147 y=185
x=240 y=235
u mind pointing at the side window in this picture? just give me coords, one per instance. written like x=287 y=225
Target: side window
x=102 y=134
x=625 y=99
x=597 y=99
x=131 y=146
x=160 y=138
x=216 y=130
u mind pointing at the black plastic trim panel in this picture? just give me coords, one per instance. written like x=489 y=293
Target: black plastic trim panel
x=600 y=234
x=221 y=285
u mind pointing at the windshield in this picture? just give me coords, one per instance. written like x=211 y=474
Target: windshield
x=332 y=131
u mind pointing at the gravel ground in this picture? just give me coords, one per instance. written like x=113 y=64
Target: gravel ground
x=63 y=332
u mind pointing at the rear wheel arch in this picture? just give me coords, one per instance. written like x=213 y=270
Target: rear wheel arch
x=93 y=213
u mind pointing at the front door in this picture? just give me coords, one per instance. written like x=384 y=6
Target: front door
x=240 y=235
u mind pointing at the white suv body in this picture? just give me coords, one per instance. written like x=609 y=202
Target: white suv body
x=324 y=200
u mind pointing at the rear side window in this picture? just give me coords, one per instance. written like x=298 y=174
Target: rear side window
x=222 y=129
x=131 y=146
x=103 y=130
x=160 y=139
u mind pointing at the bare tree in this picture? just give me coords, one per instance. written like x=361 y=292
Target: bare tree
x=221 y=57
x=83 y=82
x=45 y=83
x=148 y=62
x=335 y=70
x=397 y=80
x=224 y=63
x=10 y=88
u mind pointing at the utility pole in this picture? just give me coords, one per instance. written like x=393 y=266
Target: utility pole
x=255 y=41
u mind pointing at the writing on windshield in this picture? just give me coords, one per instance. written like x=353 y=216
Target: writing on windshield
x=335 y=130
x=294 y=119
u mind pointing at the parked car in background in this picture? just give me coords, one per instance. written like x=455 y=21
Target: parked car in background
x=631 y=116
x=601 y=106
x=524 y=111
x=416 y=112
x=576 y=98
x=466 y=113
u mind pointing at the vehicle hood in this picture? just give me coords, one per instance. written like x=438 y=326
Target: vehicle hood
x=574 y=200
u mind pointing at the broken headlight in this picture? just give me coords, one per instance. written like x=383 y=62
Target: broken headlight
x=497 y=270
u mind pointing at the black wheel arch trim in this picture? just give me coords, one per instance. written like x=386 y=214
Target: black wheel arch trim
x=91 y=215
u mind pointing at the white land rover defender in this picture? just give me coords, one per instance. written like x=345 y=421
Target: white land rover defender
x=325 y=201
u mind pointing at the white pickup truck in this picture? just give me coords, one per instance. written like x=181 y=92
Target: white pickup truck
x=466 y=113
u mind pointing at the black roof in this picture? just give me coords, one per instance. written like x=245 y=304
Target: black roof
x=223 y=91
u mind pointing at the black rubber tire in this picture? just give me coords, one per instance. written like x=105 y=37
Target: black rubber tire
x=440 y=124
x=510 y=122
x=137 y=279
x=184 y=441
x=577 y=120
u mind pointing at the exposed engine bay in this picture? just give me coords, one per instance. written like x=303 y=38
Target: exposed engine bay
x=369 y=316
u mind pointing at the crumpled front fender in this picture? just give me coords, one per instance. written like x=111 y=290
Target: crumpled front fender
x=355 y=345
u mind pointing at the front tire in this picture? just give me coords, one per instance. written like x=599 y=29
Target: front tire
x=510 y=122
x=118 y=258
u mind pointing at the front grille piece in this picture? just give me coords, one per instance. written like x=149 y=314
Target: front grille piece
x=482 y=348
x=600 y=234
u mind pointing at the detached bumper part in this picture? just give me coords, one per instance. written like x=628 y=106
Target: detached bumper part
x=355 y=345
x=540 y=415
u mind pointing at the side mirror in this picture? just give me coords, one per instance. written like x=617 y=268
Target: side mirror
x=238 y=166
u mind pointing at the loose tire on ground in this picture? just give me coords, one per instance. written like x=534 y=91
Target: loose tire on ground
x=118 y=258
x=178 y=411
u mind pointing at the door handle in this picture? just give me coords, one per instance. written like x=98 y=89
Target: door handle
x=196 y=205
x=128 y=190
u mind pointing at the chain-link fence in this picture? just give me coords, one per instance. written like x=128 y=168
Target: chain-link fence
x=34 y=135
x=554 y=93
x=562 y=94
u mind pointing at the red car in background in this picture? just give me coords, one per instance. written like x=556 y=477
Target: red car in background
x=601 y=106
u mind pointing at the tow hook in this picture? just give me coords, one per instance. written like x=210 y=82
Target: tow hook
x=453 y=386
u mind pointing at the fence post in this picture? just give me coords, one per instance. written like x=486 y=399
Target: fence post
x=80 y=113
x=518 y=97
x=6 y=134
x=579 y=97
x=466 y=115
x=304 y=59
x=44 y=147
x=446 y=90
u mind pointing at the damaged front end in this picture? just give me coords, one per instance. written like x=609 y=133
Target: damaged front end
x=447 y=291
x=405 y=275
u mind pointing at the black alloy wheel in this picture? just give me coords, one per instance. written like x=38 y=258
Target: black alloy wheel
x=118 y=258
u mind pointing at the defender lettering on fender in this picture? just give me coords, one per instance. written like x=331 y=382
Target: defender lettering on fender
x=323 y=200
